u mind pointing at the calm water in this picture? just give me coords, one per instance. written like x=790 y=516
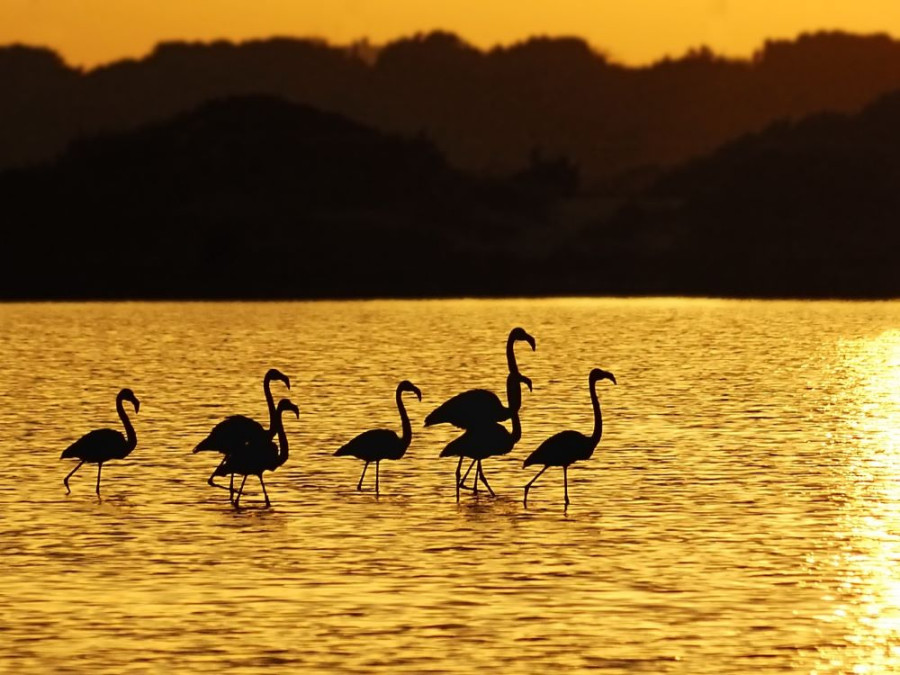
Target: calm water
x=741 y=514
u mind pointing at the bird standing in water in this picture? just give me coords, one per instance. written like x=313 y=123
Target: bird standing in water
x=102 y=445
x=236 y=431
x=375 y=445
x=567 y=447
x=259 y=455
x=487 y=440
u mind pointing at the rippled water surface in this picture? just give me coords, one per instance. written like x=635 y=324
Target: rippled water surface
x=741 y=513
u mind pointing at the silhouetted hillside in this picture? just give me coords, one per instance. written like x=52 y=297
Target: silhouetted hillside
x=486 y=111
x=258 y=197
x=810 y=208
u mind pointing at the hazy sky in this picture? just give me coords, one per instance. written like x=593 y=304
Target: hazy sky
x=630 y=31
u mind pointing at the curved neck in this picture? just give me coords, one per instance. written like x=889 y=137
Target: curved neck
x=598 y=418
x=513 y=392
x=516 y=427
x=274 y=419
x=406 y=436
x=130 y=436
x=282 y=440
x=511 y=356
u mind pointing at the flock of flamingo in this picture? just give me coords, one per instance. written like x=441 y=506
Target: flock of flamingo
x=249 y=449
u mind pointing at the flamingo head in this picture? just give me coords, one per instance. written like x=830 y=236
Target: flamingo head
x=526 y=381
x=275 y=374
x=285 y=404
x=128 y=395
x=519 y=334
x=406 y=385
x=600 y=374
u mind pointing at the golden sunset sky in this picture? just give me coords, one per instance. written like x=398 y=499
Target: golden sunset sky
x=88 y=32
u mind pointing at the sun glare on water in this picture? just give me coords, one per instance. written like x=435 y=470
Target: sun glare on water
x=866 y=594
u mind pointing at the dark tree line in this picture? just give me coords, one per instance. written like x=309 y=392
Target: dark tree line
x=486 y=111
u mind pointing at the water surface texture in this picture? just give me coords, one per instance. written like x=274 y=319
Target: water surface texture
x=741 y=513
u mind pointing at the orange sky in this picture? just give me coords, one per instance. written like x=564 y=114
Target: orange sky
x=88 y=32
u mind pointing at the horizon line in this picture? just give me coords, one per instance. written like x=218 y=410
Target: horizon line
x=367 y=43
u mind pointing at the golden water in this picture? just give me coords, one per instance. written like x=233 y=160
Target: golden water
x=741 y=514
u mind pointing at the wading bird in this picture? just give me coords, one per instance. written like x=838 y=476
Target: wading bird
x=236 y=431
x=101 y=445
x=375 y=445
x=260 y=454
x=480 y=406
x=569 y=446
x=487 y=440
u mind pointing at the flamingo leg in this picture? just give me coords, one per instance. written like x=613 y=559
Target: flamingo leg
x=66 y=479
x=99 y=468
x=566 y=483
x=377 y=462
x=359 y=484
x=210 y=481
x=481 y=475
x=265 y=494
x=458 y=471
x=462 y=483
x=239 y=492
x=530 y=483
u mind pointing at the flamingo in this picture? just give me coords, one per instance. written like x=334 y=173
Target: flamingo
x=570 y=446
x=101 y=445
x=375 y=445
x=235 y=431
x=480 y=406
x=260 y=454
x=487 y=440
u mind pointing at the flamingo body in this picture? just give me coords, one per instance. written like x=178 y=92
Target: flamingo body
x=252 y=460
x=373 y=446
x=481 y=442
x=469 y=409
x=231 y=434
x=99 y=445
x=562 y=449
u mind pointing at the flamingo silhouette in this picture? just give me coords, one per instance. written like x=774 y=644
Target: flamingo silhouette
x=236 y=431
x=569 y=446
x=480 y=406
x=487 y=440
x=260 y=454
x=375 y=445
x=101 y=445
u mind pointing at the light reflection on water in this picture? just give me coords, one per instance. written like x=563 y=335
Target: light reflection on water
x=740 y=514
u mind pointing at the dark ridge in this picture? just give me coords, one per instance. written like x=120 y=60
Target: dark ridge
x=487 y=111
x=259 y=197
x=806 y=208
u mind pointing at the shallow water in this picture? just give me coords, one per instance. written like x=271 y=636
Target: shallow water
x=741 y=513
